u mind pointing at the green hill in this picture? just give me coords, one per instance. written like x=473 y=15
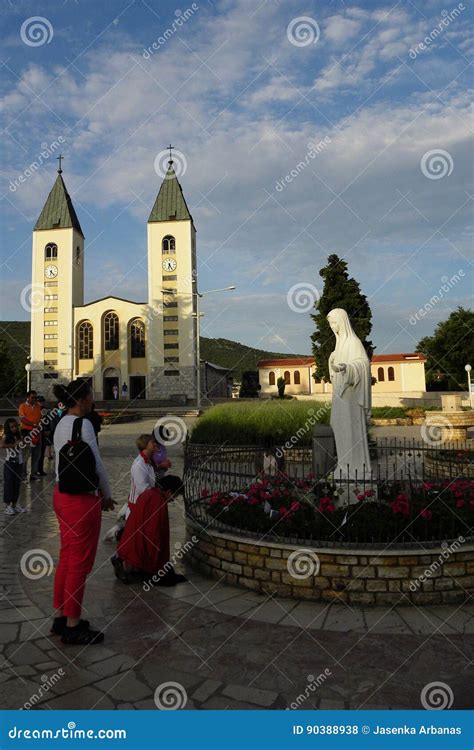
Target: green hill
x=235 y=356
x=15 y=344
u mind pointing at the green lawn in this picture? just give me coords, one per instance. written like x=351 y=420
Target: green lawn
x=260 y=423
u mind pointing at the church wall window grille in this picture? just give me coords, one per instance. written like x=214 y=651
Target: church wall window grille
x=168 y=245
x=287 y=377
x=51 y=335
x=391 y=373
x=167 y=305
x=380 y=375
x=51 y=322
x=111 y=331
x=297 y=377
x=50 y=283
x=271 y=378
x=172 y=373
x=170 y=319
x=50 y=349
x=170 y=360
x=173 y=277
x=50 y=362
x=78 y=255
x=50 y=376
x=137 y=339
x=86 y=341
x=51 y=251
x=171 y=346
x=50 y=296
x=171 y=332
x=50 y=309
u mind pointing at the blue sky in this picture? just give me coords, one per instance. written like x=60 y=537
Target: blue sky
x=242 y=89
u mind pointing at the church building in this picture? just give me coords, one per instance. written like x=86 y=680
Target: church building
x=150 y=345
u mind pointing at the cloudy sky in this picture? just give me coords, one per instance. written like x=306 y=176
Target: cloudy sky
x=301 y=130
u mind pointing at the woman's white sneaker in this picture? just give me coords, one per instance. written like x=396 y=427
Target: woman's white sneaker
x=19 y=509
x=9 y=511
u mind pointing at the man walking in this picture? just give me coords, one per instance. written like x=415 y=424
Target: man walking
x=30 y=417
x=124 y=390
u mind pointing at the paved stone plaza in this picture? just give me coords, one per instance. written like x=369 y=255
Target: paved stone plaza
x=226 y=647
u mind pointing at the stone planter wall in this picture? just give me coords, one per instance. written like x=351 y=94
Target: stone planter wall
x=443 y=469
x=361 y=577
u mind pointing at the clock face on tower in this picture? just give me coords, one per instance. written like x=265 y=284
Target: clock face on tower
x=51 y=272
x=169 y=264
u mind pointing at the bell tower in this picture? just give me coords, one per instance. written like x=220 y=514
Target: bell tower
x=57 y=286
x=171 y=292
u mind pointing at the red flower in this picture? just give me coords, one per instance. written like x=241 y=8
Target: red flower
x=369 y=493
x=460 y=503
x=427 y=514
x=204 y=492
x=360 y=498
x=326 y=505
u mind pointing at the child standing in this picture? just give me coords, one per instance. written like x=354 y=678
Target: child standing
x=13 y=466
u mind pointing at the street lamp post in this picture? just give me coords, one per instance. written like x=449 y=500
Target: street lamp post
x=198 y=315
x=28 y=376
x=468 y=369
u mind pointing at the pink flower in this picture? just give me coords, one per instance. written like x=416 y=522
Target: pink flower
x=295 y=505
x=369 y=493
x=460 y=503
x=427 y=514
x=360 y=497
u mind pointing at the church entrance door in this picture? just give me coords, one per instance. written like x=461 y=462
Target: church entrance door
x=137 y=386
x=111 y=379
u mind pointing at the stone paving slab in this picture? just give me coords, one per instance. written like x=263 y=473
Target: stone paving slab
x=229 y=639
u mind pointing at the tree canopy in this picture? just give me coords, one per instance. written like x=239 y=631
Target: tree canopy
x=449 y=350
x=339 y=290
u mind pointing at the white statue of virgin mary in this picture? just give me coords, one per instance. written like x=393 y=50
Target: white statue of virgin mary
x=349 y=369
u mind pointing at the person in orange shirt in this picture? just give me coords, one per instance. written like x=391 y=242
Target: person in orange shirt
x=30 y=418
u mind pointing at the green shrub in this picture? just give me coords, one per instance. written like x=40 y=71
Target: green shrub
x=262 y=423
x=389 y=412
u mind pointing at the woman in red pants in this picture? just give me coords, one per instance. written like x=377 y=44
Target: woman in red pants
x=78 y=513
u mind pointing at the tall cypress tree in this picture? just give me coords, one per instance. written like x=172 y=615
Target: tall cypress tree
x=339 y=291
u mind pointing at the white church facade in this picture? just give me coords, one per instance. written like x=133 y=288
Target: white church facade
x=149 y=345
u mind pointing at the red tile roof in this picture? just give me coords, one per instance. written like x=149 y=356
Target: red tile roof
x=301 y=361
x=398 y=357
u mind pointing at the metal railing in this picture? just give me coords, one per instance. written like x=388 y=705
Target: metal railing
x=427 y=476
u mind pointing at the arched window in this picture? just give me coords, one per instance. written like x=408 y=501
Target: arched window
x=86 y=340
x=78 y=255
x=137 y=339
x=380 y=375
x=286 y=375
x=391 y=373
x=111 y=331
x=51 y=251
x=296 y=377
x=168 y=245
x=271 y=378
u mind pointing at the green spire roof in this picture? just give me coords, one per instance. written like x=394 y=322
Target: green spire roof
x=58 y=211
x=170 y=204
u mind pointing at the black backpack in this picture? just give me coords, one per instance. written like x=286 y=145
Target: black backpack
x=76 y=468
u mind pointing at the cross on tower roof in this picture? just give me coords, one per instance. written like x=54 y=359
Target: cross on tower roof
x=171 y=158
x=60 y=158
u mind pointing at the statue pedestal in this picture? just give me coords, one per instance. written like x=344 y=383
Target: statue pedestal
x=348 y=491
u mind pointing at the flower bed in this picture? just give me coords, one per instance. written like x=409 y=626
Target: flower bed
x=307 y=510
x=119 y=417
